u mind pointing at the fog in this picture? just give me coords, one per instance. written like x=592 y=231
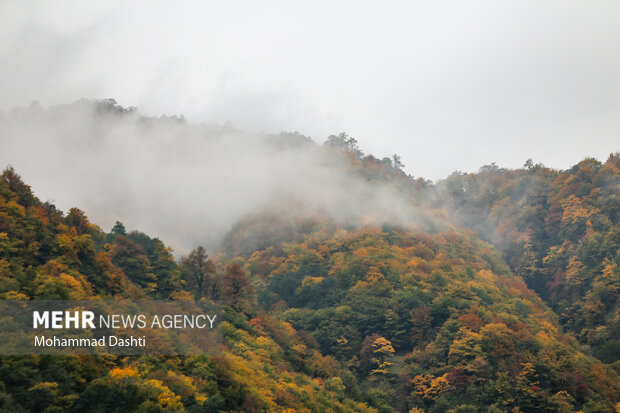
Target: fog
x=185 y=183
x=448 y=85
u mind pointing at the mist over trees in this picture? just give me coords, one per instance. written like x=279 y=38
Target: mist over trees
x=559 y=231
x=117 y=163
x=346 y=284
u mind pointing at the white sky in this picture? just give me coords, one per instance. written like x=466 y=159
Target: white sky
x=448 y=85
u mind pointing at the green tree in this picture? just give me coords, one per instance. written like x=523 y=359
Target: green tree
x=202 y=272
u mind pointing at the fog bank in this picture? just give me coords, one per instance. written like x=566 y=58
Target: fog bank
x=187 y=184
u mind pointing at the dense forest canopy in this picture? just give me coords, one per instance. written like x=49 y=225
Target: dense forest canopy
x=489 y=291
x=558 y=230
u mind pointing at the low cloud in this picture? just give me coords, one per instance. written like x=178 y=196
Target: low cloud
x=187 y=184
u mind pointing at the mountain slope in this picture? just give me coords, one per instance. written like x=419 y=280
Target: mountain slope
x=348 y=286
x=45 y=254
x=429 y=321
x=560 y=231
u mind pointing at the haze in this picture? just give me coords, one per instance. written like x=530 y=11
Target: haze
x=187 y=184
x=447 y=85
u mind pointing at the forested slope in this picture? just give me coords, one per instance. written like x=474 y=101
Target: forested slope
x=45 y=254
x=432 y=321
x=558 y=230
x=351 y=287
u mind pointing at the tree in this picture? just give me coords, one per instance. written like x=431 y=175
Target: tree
x=15 y=183
x=343 y=142
x=119 y=228
x=132 y=259
x=374 y=353
x=396 y=160
x=202 y=271
x=236 y=285
x=76 y=218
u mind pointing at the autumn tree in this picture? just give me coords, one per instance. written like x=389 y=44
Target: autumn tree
x=374 y=354
x=132 y=259
x=77 y=219
x=236 y=284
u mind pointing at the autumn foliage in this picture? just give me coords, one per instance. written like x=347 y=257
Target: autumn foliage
x=503 y=297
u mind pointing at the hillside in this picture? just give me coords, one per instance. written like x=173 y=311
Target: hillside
x=347 y=285
x=559 y=231
x=433 y=321
x=45 y=254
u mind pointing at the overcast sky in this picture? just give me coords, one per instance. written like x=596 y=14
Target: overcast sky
x=448 y=85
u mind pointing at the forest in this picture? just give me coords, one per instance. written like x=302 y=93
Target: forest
x=498 y=293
